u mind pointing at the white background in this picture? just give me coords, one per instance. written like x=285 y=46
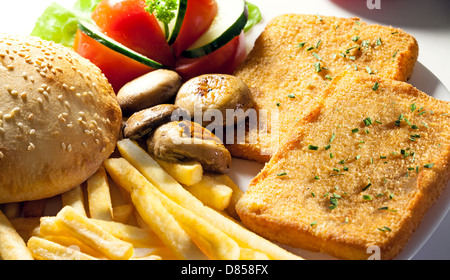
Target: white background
x=428 y=21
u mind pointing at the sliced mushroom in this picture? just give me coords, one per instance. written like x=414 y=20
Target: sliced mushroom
x=186 y=140
x=217 y=92
x=151 y=89
x=145 y=121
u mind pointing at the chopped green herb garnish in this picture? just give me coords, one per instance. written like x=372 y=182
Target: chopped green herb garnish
x=413 y=107
x=369 y=70
x=358 y=23
x=332 y=137
x=316 y=56
x=337 y=170
x=331 y=155
x=278 y=104
x=282 y=174
x=358 y=157
x=313 y=194
x=327 y=147
x=312 y=147
x=301 y=45
x=314 y=223
x=310 y=48
x=367 y=197
x=365 y=43
x=368 y=121
x=375 y=86
x=395 y=54
x=319 y=17
x=316 y=177
x=317 y=67
x=356 y=38
x=318 y=44
x=379 y=42
x=347 y=51
x=429 y=165
x=366 y=187
x=291 y=95
x=384 y=229
x=328 y=77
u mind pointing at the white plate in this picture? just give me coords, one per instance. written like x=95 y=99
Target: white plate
x=243 y=171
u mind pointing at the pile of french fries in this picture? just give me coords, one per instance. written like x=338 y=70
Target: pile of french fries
x=136 y=207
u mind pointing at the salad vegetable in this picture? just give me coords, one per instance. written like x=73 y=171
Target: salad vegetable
x=128 y=38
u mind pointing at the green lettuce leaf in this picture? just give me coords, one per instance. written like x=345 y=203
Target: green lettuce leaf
x=60 y=24
x=254 y=16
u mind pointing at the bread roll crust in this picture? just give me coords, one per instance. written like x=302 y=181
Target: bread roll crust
x=59 y=119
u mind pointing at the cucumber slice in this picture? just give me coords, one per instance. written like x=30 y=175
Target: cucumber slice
x=231 y=18
x=92 y=31
x=172 y=30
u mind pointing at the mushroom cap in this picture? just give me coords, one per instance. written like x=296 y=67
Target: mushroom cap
x=145 y=121
x=214 y=92
x=186 y=141
x=153 y=88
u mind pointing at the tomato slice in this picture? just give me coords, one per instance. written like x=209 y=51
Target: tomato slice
x=199 y=16
x=127 y=22
x=224 y=60
x=118 y=68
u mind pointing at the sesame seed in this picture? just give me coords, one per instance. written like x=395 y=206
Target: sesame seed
x=1 y=155
x=31 y=146
x=63 y=145
x=69 y=148
x=32 y=131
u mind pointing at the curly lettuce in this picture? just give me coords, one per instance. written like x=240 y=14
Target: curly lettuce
x=59 y=24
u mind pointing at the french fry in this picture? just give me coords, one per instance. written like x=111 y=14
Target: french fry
x=12 y=246
x=43 y=249
x=186 y=173
x=26 y=227
x=138 y=157
x=212 y=193
x=34 y=208
x=161 y=253
x=75 y=199
x=165 y=226
x=236 y=195
x=214 y=243
x=122 y=213
x=49 y=227
x=250 y=254
x=137 y=236
x=73 y=243
x=93 y=235
x=99 y=197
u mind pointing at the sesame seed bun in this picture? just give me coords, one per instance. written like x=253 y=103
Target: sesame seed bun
x=59 y=119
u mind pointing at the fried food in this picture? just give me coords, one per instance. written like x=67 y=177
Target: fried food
x=361 y=170
x=294 y=59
